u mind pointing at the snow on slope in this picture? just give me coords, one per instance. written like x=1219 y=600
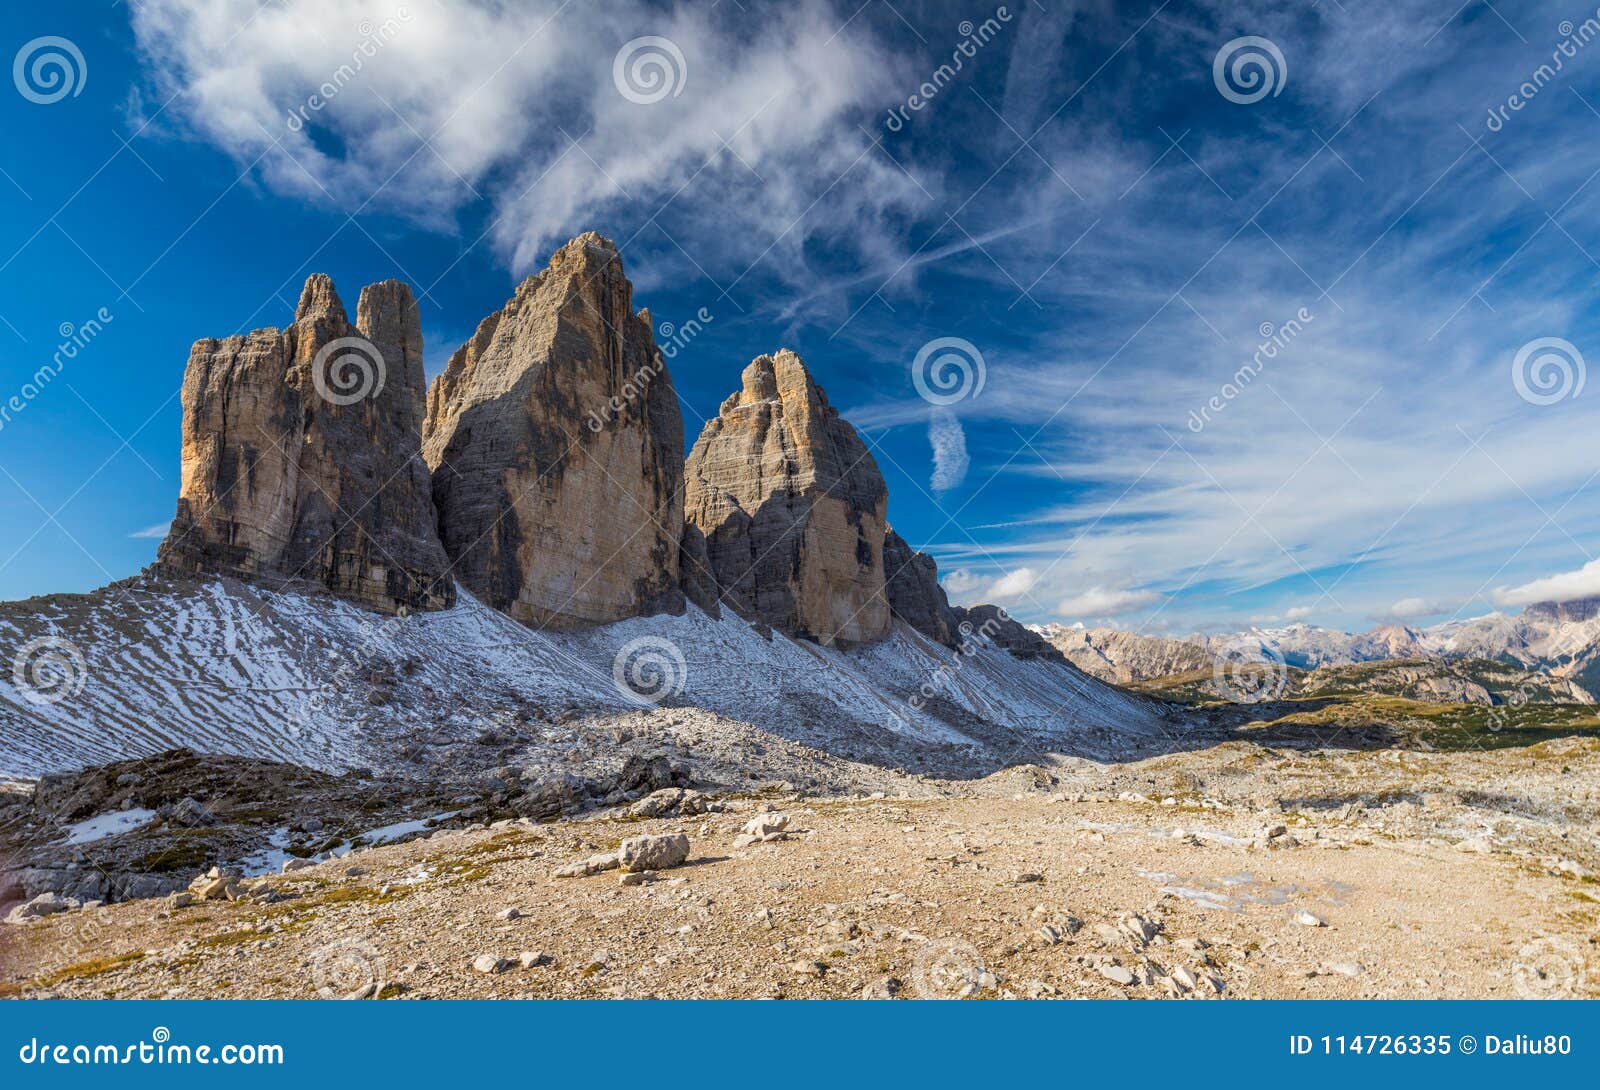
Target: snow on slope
x=224 y=667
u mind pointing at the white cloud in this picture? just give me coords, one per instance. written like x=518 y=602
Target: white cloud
x=1583 y=583
x=1408 y=608
x=158 y=531
x=1298 y=613
x=949 y=442
x=517 y=102
x=960 y=583
x=1105 y=601
x=969 y=588
x=1013 y=584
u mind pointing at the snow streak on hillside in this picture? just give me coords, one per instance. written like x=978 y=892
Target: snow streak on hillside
x=218 y=666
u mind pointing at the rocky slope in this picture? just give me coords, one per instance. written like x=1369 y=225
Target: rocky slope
x=1465 y=681
x=914 y=593
x=556 y=446
x=793 y=509
x=220 y=666
x=300 y=455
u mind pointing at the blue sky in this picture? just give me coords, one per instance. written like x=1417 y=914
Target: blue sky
x=1114 y=227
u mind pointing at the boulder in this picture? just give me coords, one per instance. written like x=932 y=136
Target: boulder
x=556 y=446
x=640 y=853
x=792 y=507
x=46 y=904
x=762 y=828
x=595 y=864
x=300 y=458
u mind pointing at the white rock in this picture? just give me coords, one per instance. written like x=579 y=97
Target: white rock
x=1308 y=919
x=771 y=826
x=490 y=963
x=1117 y=974
x=595 y=864
x=642 y=853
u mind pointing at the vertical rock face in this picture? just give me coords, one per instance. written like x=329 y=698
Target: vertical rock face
x=556 y=446
x=300 y=458
x=915 y=595
x=792 y=508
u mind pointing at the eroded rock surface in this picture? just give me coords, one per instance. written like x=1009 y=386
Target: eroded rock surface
x=557 y=449
x=792 y=507
x=300 y=459
x=915 y=595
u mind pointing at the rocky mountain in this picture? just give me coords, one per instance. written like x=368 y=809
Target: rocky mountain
x=1124 y=657
x=915 y=596
x=548 y=557
x=1559 y=639
x=300 y=455
x=556 y=447
x=793 y=509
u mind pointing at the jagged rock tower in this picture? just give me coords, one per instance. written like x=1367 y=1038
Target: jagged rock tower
x=556 y=446
x=792 y=507
x=300 y=460
x=544 y=471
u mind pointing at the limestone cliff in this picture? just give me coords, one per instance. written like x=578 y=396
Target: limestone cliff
x=556 y=446
x=792 y=507
x=300 y=455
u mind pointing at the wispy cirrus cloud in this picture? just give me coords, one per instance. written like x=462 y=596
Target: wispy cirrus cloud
x=949 y=442
x=440 y=105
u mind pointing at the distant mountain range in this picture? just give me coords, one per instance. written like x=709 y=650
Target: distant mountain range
x=1561 y=639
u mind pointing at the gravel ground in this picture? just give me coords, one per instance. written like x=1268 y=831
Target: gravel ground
x=1238 y=871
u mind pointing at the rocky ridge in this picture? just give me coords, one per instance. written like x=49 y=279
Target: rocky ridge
x=1561 y=639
